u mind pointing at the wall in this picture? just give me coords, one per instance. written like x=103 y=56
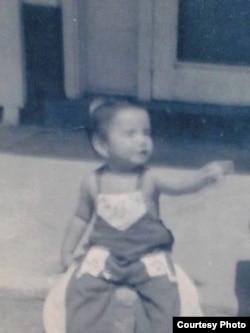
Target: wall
x=12 y=85
x=193 y=81
x=112 y=36
x=120 y=47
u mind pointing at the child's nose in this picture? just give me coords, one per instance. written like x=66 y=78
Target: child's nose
x=141 y=139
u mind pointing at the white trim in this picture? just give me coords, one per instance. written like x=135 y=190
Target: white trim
x=145 y=46
x=10 y=116
x=72 y=48
x=173 y=80
x=12 y=69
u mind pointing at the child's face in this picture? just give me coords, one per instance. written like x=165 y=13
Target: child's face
x=129 y=143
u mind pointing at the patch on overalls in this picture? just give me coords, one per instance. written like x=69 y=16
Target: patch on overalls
x=157 y=265
x=122 y=210
x=94 y=262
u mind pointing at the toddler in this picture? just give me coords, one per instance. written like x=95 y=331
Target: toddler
x=129 y=245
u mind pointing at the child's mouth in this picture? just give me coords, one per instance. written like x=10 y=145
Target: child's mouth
x=143 y=152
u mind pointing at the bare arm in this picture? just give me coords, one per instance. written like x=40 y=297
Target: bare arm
x=77 y=225
x=192 y=182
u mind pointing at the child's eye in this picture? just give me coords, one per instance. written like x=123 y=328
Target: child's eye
x=130 y=133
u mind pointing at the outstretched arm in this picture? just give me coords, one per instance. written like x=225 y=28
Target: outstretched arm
x=77 y=225
x=192 y=182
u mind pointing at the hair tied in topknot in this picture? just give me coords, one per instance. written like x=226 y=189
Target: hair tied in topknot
x=95 y=104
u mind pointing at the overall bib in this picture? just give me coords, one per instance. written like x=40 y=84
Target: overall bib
x=127 y=247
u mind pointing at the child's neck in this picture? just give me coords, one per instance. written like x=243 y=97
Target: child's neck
x=118 y=180
x=121 y=170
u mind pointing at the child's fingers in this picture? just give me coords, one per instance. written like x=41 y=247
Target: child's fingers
x=216 y=170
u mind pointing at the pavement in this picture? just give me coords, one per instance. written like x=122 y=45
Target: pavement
x=40 y=173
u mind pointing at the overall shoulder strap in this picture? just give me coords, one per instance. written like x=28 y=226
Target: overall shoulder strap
x=99 y=173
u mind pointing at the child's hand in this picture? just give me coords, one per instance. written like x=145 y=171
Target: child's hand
x=214 y=171
x=66 y=261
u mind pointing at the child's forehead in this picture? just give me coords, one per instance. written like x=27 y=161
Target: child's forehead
x=131 y=114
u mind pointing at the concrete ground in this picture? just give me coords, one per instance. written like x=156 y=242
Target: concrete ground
x=40 y=173
x=21 y=315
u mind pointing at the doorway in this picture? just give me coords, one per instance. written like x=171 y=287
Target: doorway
x=43 y=53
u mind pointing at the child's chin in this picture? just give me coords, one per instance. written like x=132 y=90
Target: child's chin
x=140 y=162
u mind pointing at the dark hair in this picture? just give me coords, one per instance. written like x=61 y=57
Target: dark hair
x=102 y=112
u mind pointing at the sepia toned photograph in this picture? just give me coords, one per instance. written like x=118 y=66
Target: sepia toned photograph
x=125 y=164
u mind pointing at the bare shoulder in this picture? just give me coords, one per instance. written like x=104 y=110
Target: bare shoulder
x=85 y=206
x=88 y=184
x=149 y=174
x=156 y=174
x=151 y=177
x=163 y=180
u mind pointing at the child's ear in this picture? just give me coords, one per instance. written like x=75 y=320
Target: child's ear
x=100 y=146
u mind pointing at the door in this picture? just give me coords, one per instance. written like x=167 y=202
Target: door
x=42 y=26
x=107 y=47
x=111 y=44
